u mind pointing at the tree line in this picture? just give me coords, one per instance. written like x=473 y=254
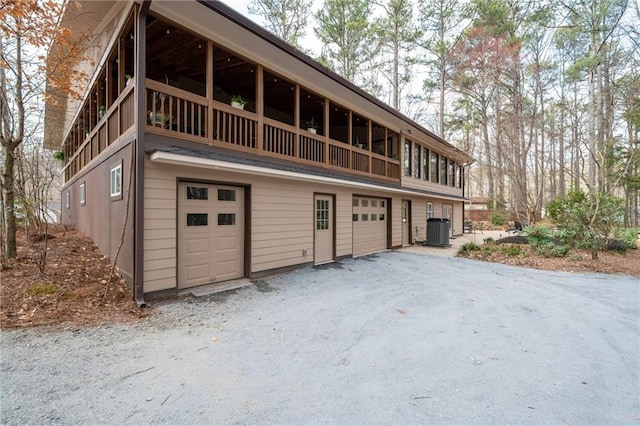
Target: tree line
x=544 y=95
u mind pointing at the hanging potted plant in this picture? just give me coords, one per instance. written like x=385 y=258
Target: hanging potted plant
x=238 y=102
x=312 y=126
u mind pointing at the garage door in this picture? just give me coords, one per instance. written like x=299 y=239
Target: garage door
x=369 y=225
x=210 y=233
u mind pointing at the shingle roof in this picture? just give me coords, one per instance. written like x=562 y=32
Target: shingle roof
x=249 y=159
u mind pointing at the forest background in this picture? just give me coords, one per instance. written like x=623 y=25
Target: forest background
x=545 y=95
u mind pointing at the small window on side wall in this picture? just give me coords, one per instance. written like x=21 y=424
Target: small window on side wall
x=83 y=194
x=115 y=187
x=67 y=199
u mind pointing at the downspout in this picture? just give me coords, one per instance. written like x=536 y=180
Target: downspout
x=141 y=72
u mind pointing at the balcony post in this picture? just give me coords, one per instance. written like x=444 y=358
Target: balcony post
x=260 y=107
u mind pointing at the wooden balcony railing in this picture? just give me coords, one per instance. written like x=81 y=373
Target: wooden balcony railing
x=115 y=122
x=176 y=113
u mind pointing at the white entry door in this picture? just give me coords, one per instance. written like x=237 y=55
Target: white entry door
x=323 y=230
x=210 y=233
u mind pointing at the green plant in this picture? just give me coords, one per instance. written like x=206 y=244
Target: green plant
x=468 y=247
x=512 y=250
x=587 y=219
x=629 y=236
x=549 y=249
x=311 y=124
x=59 y=155
x=498 y=218
x=538 y=235
x=238 y=99
x=41 y=289
x=489 y=240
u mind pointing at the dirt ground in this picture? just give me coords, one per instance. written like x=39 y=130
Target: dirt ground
x=73 y=293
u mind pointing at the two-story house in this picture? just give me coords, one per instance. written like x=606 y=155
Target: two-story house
x=224 y=152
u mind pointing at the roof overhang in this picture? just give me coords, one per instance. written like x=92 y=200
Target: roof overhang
x=226 y=166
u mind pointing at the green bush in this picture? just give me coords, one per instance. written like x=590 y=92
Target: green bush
x=628 y=236
x=489 y=240
x=468 y=247
x=550 y=249
x=587 y=219
x=498 y=218
x=537 y=235
x=513 y=251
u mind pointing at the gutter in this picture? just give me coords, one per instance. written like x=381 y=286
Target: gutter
x=225 y=166
x=138 y=225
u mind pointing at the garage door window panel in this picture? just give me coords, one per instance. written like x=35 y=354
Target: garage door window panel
x=226 y=219
x=226 y=195
x=197 y=219
x=197 y=193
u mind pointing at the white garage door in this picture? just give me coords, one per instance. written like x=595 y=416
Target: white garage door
x=369 y=225
x=210 y=233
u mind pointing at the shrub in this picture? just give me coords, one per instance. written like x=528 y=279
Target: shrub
x=549 y=249
x=628 y=236
x=537 y=235
x=513 y=251
x=587 y=218
x=468 y=247
x=41 y=289
x=489 y=240
x=498 y=218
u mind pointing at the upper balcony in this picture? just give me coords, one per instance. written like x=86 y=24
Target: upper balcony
x=177 y=113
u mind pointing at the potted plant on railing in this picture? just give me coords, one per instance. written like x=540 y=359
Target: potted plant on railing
x=238 y=102
x=101 y=111
x=159 y=118
x=312 y=126
x=128 y=78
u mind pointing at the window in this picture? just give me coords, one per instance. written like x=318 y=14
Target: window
x=417 y=162
x=355 y=202
x=322 y=214
x=226 y=219
x=429 y=210
x=374 y=217
x=197 y=193
x=452 y=173
x=381 y=217
x=382 y=203
x=116 y=181
x=67 y=201
x=443 y=170
x=435 y=161
x=365 y=203
x=83 y=194
x=197 y=219
x=365 y=217
x=425 y=164
x=355 y=217
x=374 y=203
x=407 y=158
x=226 y=195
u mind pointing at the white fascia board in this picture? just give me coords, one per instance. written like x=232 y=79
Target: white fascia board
x=209 y=163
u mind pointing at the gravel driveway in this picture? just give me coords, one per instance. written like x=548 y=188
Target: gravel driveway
x=397 y=338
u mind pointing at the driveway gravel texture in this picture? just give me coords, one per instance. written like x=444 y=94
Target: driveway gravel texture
x=393 y=338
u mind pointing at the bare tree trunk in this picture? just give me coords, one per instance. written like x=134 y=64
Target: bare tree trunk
x=9 y=202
